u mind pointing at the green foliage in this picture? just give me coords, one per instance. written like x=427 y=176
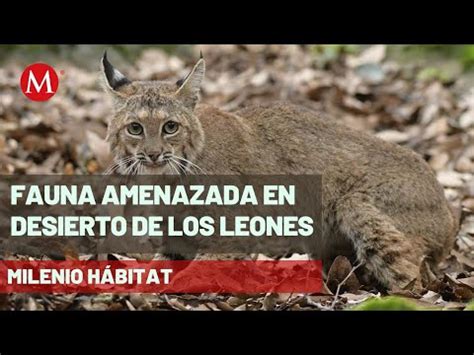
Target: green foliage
x=470 y=306
x=327 y=53
x=81 y=55
x=430 y=56
x=464 y=54
x=433 y=73
x=468 y=56
x=390 y=303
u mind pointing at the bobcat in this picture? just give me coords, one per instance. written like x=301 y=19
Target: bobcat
x=381 y=202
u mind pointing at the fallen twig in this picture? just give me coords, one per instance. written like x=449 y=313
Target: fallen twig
x=338 y=290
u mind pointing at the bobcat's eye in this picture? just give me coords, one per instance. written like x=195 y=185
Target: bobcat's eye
x=170 y=127
x=135 y=129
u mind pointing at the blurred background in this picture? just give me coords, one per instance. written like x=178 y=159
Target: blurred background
x=417 y=96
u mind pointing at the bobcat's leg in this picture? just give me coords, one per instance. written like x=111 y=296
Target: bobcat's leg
x=392 y=258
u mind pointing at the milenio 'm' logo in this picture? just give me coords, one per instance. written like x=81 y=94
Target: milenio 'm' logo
x=39 y=82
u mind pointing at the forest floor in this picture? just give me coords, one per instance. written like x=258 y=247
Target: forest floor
x=404 y=103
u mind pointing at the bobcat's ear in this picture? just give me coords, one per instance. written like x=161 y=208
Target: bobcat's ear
x=115 y=81
x=188 y=92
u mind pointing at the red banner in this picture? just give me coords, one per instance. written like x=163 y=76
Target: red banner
x=171 y=276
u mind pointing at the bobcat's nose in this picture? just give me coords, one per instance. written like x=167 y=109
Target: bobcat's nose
x=154 y=157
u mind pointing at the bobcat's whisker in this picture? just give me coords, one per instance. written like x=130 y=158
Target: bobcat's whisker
x=136 y=167
x=183 y=168
x=131 y=167
x=172 y=164
x=127 y=168
x=111 y=169
x=118 y=164
x=190 y=163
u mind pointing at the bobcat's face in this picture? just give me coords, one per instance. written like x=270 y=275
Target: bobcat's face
x=154 y=129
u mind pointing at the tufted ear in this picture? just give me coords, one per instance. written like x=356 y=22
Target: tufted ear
x=188 y=92
x=115 y=81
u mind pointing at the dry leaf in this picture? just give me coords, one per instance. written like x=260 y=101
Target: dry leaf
x=340 y=268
